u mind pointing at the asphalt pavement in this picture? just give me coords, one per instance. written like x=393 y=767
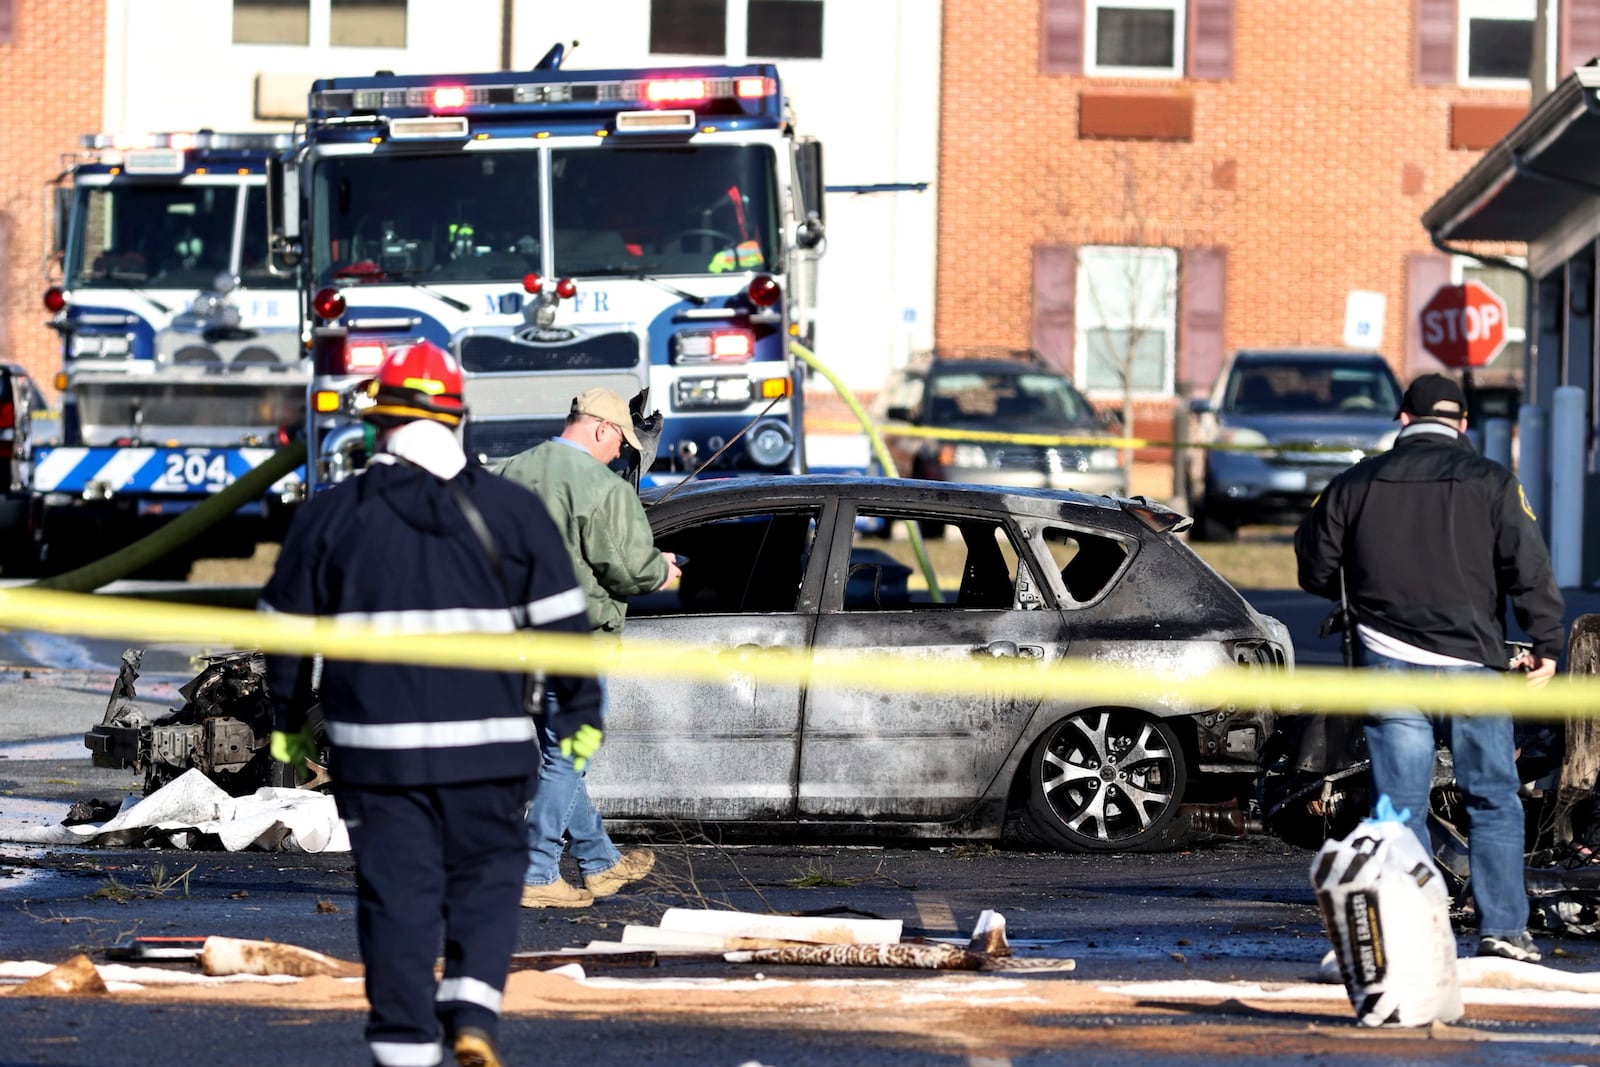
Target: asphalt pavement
x=1220 y=910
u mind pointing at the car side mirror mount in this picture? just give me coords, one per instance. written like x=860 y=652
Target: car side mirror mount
x=898 y=414
x=1200 y=406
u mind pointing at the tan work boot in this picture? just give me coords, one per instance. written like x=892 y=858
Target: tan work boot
x=633 y=865
x=558 y=894
x=473 y=1048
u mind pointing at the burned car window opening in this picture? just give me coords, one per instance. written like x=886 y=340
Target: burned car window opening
x=979 y=572
x=752 y=563
x=1087 y=563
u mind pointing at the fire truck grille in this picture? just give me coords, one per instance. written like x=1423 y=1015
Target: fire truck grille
x=495 y=353
x=503 y=438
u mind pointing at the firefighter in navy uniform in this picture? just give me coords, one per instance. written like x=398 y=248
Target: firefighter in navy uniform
x=433 y=767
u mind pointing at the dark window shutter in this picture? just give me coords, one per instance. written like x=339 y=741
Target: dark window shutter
x=1061 y=37
x=1580 y=34
x=1211 y=39
x=1425 y=273
x=1435 y=30
x=1202 y=291
x=7 y=15
x=1055 y=290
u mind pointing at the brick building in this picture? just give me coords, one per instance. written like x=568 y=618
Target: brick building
x=51 y=91
x=1151 y=184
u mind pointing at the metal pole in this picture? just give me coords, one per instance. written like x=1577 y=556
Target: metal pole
x=1497 y=441
x=1569 y=428
x=1180 y=446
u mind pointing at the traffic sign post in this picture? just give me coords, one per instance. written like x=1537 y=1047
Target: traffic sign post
x=1464 y=325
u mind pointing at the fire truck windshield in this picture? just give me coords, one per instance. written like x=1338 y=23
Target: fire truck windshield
x=157 y=236
x=704 y=209
x=463 y=217
x=474 y=216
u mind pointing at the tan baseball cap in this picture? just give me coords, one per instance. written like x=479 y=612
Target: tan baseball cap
x=602 y=403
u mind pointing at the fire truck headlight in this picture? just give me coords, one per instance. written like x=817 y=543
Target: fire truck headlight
x=771 y=443
x=712 y=393
x=99 y=346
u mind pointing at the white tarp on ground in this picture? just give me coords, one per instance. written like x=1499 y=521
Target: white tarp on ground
x=187 y=811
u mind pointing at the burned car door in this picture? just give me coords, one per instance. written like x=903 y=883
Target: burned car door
x=919 y=756
x=723 y=749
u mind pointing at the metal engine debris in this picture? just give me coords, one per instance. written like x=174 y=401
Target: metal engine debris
x=223 y=728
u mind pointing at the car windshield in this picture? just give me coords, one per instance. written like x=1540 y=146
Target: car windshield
x=1307 y=387
x=154 y=236
x=1041 y=399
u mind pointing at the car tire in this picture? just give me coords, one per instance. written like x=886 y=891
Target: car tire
x=1105 y=780
x=1209 y=528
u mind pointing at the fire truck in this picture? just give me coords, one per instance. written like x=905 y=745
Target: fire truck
x=654 y=231
x=181 y=361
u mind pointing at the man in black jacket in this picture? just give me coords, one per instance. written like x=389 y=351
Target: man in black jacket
x=1432 y=538
x=433 y=767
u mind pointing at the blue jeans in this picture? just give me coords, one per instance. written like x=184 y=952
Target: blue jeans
x=1401 y=744
x=561 y=815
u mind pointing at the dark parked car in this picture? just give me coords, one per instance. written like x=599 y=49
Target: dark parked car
x=780 y=566
x=1296 y=419
x=998 y=396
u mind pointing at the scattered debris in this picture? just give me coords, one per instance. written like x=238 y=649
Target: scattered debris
x=231 y=955
x=89 y=811
x=77 y=977
x=809 y=929
x=929 y=957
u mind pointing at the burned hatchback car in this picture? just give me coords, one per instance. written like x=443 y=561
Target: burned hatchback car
x=787 y=565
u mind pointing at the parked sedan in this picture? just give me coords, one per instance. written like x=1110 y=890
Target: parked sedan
x=998 y=396
x=1293 y=420
x=792 y=564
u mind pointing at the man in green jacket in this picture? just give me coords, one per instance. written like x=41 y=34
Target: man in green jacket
x=613 y=553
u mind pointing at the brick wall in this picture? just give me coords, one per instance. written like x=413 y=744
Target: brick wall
x=1310 y=167
x=51 y=90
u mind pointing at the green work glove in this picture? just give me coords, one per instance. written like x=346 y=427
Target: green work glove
x=581 y=746
x=293 y=748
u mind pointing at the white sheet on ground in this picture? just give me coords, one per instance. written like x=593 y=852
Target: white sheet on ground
x=191 y=806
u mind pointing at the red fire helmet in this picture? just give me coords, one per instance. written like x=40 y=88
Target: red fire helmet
x=420 y=382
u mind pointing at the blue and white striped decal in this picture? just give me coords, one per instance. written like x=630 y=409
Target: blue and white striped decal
x=178 y=471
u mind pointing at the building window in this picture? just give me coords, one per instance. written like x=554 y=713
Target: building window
x=1140 y=37
x=688 y=27
x=1495 y=41
x=784 y=29
x=1509 y=285
x=1126 y=320
x=367 y=23
x=272 y=22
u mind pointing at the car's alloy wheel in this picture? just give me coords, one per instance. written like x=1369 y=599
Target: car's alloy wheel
x=1105 y=780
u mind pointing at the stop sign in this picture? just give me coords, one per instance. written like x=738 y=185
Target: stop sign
x=1464 y=325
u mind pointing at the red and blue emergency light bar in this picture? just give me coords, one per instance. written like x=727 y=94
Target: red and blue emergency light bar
x=198 y=152
x=723 y=97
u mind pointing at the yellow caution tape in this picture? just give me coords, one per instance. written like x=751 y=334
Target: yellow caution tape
x=898 y=429
x=1071 y=681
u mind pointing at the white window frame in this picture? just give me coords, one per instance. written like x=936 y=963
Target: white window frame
x=319 y=31
x=1467 y=10
x=1157 y=310
x=1180 y=33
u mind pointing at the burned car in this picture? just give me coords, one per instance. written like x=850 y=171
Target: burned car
x=784 y=565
